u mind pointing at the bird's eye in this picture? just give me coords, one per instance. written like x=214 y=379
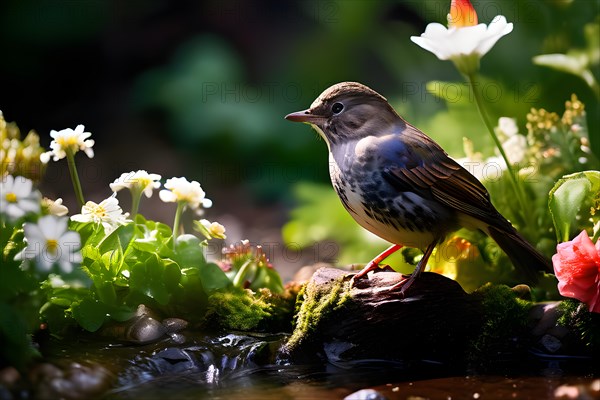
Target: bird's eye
x=337 y=108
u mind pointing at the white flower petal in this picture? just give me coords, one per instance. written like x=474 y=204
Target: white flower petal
x=508 y=126
x=33 y=233
x=74 y=140
x=449 y=43
x=70 y=241
x=167 y=196
x=49 y=242
x=66 y=265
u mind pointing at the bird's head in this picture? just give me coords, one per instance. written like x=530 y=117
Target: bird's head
x=348 y=111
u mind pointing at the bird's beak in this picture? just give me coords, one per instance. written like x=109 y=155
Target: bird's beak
x=304 y=116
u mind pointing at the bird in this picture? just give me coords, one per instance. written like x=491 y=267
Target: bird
x=399 y=184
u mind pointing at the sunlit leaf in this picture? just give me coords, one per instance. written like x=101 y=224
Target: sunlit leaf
x=568 y=200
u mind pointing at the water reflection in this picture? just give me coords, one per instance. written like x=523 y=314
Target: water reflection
x=243 y=366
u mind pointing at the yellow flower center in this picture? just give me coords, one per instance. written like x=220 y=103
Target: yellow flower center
x=142 y=182
x=52 y=245
x=68 y=142
x=11 y=197
x=461 y=14
x=98 y=211
x=182 y=196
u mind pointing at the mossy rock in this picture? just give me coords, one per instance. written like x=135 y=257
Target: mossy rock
x=435 y=320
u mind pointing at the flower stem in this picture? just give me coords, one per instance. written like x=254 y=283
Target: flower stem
x=75 y=177
x=180 y=207
x=527 y=216
x=136 y=196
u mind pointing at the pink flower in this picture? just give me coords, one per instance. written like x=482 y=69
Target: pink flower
x=577 y=267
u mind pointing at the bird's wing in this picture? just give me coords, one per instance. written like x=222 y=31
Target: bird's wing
x=427 y=170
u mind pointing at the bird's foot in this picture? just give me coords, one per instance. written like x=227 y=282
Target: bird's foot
x=403 y=285
x=374 y=263
x=371 y=266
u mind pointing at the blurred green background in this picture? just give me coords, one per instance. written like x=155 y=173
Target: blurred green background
x=200 y=88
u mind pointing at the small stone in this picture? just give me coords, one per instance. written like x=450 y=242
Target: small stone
x=74 y=382
x=548 y=319
x=145 y=330
x=305 y=273
x=523 y=292
x=551 y=343
x=174 y=325
x=366 y=394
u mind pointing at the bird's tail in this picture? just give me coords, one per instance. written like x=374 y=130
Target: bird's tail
x=522 y=254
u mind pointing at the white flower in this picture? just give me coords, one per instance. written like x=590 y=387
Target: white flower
x=210 y=229
x=464 y=41
x=515 y=148
x=138 y=181
x=449 y=43
x=17 y=197
x=49 y=242
x=69 y=139
x=514 y=144
x=182 y=191
x=508 y=126
x=108 y=213
x=54 y=207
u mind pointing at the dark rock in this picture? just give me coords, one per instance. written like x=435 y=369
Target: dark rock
x=433 y=320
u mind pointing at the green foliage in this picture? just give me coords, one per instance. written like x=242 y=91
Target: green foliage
x=584 y=324
x=135 y=264
x=505 y=317
x=243 y=309
x=19 y=301
x=119 y=265
x=574 y=202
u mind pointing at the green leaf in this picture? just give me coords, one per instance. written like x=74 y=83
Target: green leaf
x=91 y=233
x=172 y=274
x=106 y=292
x=91 y=252
x=269 y=278
x=568 y=200
x=212 y=277
x=89 y=314
x=153 y=237
x=155 y=278
x=119 y=238
x=189 y=252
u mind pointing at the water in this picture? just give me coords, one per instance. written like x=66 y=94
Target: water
x=245 y=367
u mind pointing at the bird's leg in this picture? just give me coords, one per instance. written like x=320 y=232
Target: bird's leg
x=405 y=283
x=374 y=263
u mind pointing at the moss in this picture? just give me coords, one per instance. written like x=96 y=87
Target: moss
x=505 y=319
x=314 y=305
x=245 y=310
x=584 y=325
